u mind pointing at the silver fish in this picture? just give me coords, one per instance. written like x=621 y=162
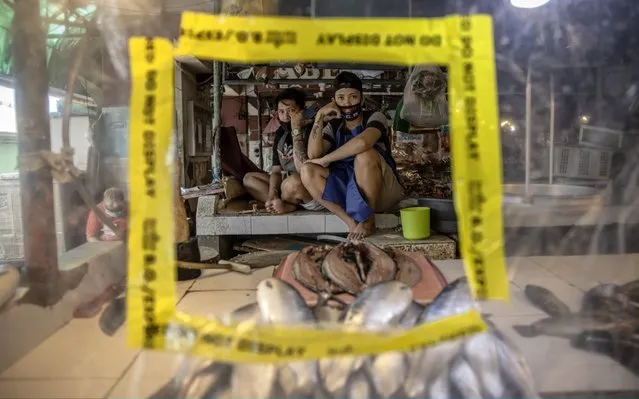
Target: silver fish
x=388 y=372
x=516 y=376
x=483 y=358
x=209 y=382
x=282 y=304
x=360 y=386
x=439 y=387
x=241 y=314
x=375 y=308
x=253 y=380
x=463 y=380
x=454 y=299
x=379 y=306
x=409 y=319
x=425 y=364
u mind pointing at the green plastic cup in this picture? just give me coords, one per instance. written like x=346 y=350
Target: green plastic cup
x=415 y=222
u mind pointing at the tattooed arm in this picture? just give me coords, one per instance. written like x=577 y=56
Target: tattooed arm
x=299 y=145
x=318 y=143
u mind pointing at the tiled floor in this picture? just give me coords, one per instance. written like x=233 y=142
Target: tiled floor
x=80 y=362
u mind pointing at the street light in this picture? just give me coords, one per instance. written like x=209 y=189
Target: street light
x=528 y=3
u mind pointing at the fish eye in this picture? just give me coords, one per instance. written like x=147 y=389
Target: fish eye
x=269 y=284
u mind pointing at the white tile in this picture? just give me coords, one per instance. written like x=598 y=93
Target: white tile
x=77 y=350
x=85 y=388
x=215 y=280
x=307 y=224
x=215 y=303
x=517 y=305
x=557 y=367
x=333 y=224
x=269 y=225
x=535 y=274
x=585 y=272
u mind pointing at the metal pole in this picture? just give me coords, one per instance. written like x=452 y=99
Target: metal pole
x=259 y=131
x=32 y=115
x=528 y=128
x=551 y=143
x=217 y=120
x=248 y=124
x=216 y=160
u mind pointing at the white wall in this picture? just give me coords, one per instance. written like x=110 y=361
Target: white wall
x=79 y=134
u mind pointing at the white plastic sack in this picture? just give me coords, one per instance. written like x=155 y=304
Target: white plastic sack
x=425 y=103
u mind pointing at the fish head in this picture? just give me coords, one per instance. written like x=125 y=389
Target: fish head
x=279 y=302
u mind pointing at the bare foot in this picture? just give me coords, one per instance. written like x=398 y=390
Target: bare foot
x=369 y=225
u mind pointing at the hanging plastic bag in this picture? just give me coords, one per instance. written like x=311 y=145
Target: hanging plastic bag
x=425 y=103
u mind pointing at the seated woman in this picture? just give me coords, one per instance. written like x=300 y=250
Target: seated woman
x=114 y=207
x=350 y=170
x=289 y=153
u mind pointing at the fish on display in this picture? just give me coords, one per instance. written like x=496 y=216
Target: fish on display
x=546 y=301
x=382 y=267
x=455 y=298
x=408 y=272
x=482 y=365
x=341 y=271
x=409 y=319
x=307 y=269
x=280 y=303
x=604 y=308
x=379 y=306
x=375 y=308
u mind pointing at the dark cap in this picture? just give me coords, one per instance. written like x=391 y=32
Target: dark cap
x=348 y=80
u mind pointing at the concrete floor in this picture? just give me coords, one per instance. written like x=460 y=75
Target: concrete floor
x=79 y=361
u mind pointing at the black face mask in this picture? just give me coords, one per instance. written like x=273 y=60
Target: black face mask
x=351 y=113
x=287 y=125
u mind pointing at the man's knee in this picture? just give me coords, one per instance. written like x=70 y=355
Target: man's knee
x=291 y=188
x=367 y=159
x=309 y=173
x=249 y=179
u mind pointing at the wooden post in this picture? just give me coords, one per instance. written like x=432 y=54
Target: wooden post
x=32 y=114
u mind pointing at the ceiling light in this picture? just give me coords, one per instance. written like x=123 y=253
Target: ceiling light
x=528 y=3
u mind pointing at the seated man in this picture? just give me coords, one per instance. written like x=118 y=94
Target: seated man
x=114 y=207
x=289 y=154
x=352 y=174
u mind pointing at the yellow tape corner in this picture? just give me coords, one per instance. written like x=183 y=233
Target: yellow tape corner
x=464 y=44
x=151 y=245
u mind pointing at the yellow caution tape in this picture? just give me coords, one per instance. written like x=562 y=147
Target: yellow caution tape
x=464 y=44
x=151 y=269
x=265 y=39
x=476 y=156
x=251 y=343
